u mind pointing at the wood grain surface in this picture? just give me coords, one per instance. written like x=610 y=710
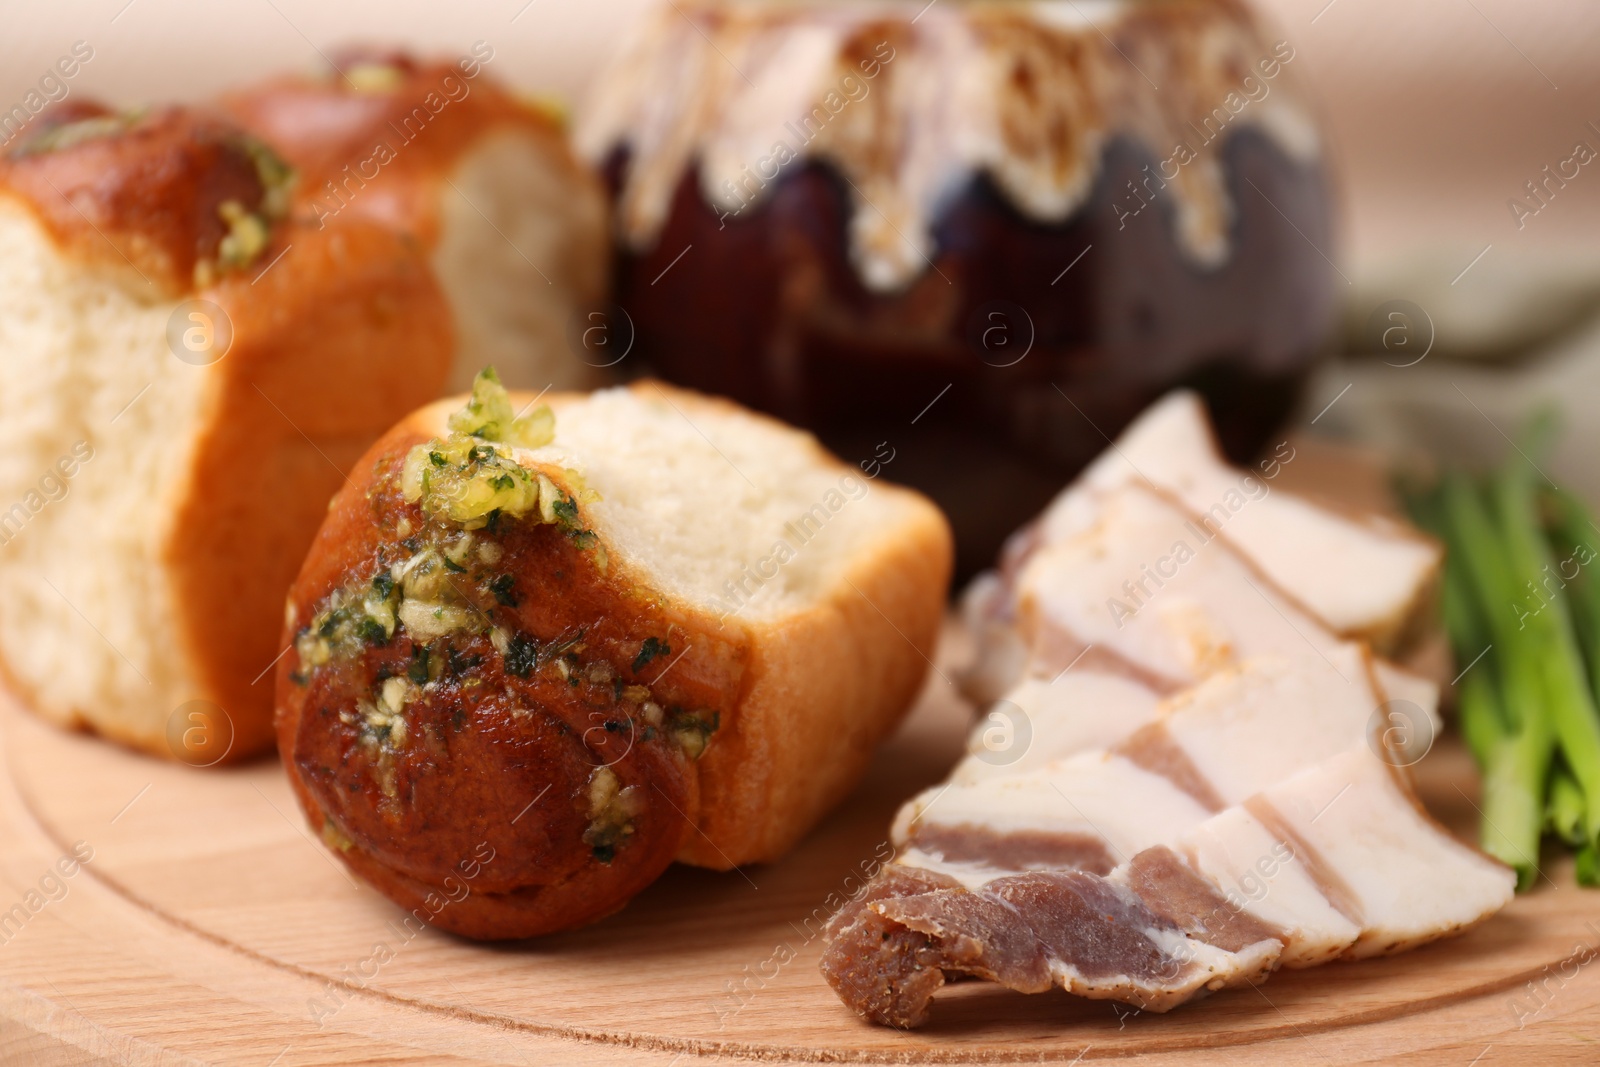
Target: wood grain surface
x=210 y=926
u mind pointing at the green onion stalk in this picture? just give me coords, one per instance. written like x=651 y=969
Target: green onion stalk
x=1569 y=700
x=1529 y=630
x=1504 y=721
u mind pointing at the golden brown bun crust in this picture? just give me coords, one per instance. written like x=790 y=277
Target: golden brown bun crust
x=823 y=686
x=330 y=132
x=146 y=195
x=499 y=764
x=329 y=345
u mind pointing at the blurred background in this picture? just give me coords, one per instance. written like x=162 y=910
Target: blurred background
x=1438 y=113
x=1438 y=110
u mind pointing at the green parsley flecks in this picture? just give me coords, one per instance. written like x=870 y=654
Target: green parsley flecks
x=434 y=601
x=649 y=650
x=422 y=594
x=352 y=619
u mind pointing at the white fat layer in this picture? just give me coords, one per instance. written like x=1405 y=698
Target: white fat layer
x=1412 y=881
x=1148 y=583
x=1044 y=719
x=1246 y=729
x=1357 y=576
x=1412 y=692
x=974 y=876
x=1261 y=875
x=1092 y=793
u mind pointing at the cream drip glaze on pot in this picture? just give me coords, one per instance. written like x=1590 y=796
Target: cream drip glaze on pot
x=1028 y=92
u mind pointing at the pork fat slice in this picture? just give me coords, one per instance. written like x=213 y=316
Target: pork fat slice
x=1189 y=781
x=1363 y=576
x=1100 y=659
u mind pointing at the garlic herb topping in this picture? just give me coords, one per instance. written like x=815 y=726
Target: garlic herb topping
x=249 y=231
x=437 y=628
x=472 y=472
x=612 y=808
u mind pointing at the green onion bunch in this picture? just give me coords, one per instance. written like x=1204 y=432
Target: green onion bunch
x=1521 y=604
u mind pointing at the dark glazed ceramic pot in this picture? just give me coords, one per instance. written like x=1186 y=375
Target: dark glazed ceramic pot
x=967 y=243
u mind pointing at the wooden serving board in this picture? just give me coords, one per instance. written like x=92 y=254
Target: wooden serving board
x=210 y=926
